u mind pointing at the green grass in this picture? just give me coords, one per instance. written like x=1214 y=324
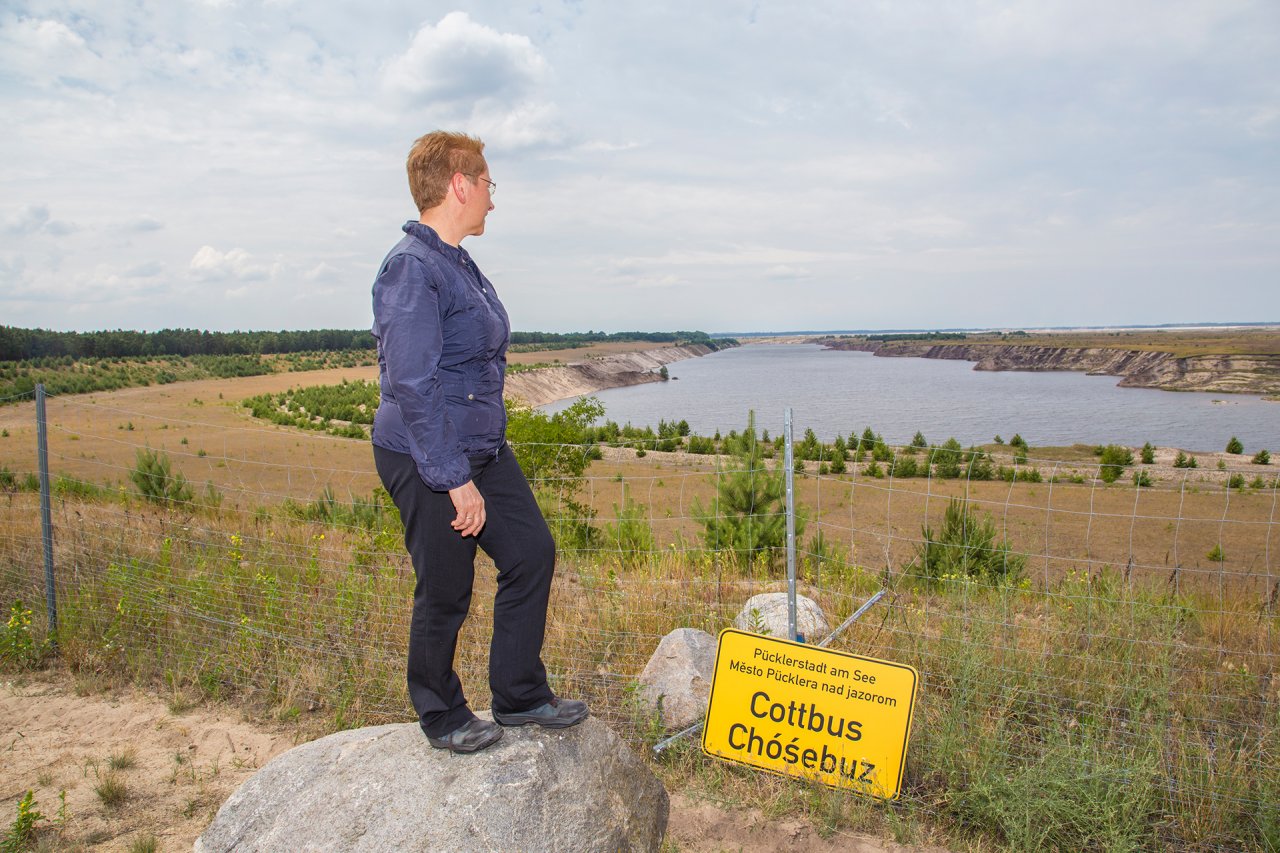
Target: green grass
x=126 y=759
x=1090 y=712
x=112 y=791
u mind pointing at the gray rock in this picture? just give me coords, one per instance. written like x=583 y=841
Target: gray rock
x=678 y=676
x=385 y=789
x=771 y=617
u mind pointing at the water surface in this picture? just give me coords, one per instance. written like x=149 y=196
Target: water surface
x=834 y=392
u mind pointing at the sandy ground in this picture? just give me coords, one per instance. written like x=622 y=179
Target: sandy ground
x=182 y=766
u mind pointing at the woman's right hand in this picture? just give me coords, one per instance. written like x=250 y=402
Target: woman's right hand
x=469 y=503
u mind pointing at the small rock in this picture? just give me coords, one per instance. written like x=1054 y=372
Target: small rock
x=767 y=614
x=678 y=676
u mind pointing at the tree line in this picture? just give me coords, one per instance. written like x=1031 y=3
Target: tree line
x=19 y=344
x=572 y=339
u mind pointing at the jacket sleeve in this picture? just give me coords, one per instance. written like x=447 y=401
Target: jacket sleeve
x=406 y=305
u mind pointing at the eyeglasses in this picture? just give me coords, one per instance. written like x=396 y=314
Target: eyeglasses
x=493 y=188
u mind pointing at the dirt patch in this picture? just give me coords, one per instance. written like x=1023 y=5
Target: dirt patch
x=700 y=826
x=182 y=766
x=174 y=770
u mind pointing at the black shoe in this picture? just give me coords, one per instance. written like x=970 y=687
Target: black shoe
x=556 y=714
x=470 y=737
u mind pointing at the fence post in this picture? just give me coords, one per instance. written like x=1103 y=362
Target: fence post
x=791 y=525
x=46 y=520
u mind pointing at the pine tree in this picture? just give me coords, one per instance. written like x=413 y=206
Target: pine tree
x=749 y=513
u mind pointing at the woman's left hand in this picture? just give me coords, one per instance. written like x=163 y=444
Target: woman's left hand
x=469 y=503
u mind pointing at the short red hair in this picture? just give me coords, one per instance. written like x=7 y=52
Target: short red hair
x=435 y=158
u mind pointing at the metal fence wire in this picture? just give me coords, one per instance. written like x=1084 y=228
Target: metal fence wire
x=1118 y=639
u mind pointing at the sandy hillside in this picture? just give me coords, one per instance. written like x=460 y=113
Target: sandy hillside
x=182 y=766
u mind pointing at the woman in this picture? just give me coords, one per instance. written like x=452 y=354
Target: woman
x=440 y=448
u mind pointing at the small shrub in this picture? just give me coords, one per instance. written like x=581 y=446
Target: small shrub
x=966 y=546
x=23 y=829
x=146 y=844
x=155 y=481
x=1148 y=454
x=1141 y=479
x=112 y=791
x=18 y=646
x=630 y=534
x=1234 y=446
x=904 y=466
x=1262 y=457
x=1113 y=460
x=1215 y=554
x=123 y=760
x=1235 y=481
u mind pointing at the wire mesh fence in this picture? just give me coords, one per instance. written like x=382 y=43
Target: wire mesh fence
x=1102 y=645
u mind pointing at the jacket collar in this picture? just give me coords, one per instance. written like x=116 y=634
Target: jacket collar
x=426 y=234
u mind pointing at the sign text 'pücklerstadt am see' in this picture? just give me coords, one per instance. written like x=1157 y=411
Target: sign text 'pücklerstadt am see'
x=809 y=712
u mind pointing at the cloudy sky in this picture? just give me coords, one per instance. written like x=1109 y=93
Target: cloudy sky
x=719 y=165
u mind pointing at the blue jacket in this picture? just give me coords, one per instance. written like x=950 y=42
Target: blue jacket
x=442 y=343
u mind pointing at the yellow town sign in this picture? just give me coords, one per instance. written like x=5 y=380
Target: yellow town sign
x=815 y=713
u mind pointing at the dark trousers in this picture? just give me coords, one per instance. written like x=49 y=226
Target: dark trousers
x=515 y=535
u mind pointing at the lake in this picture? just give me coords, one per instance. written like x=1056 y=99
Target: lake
x=834 y=392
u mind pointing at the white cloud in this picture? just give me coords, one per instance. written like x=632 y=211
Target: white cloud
x=462 y=71
x=784 y=272
x=44 y=50
x=972 y=148
x=208 y=264
x=323 y=272
x=146 y=269
x=143 y=223
x=29 y=220
x=35 y=219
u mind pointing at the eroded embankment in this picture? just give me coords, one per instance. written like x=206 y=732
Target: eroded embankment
x=1237 y=374
x=548 y=384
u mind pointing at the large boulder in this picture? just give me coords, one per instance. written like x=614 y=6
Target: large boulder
x=384 y=788
x=677 y=677
x=767 y=614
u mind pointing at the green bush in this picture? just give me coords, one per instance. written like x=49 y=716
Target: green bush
x=554 y=452
x=904 y=466
x=1262 y=457
x=630 y=534
x=18 y=646
x=948 y=459
x=748 y=516
x=1148 y=454
x=22 y=832
x=1234 y=446
x=155 y=481
x=966 y=546
x=1113 y=460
